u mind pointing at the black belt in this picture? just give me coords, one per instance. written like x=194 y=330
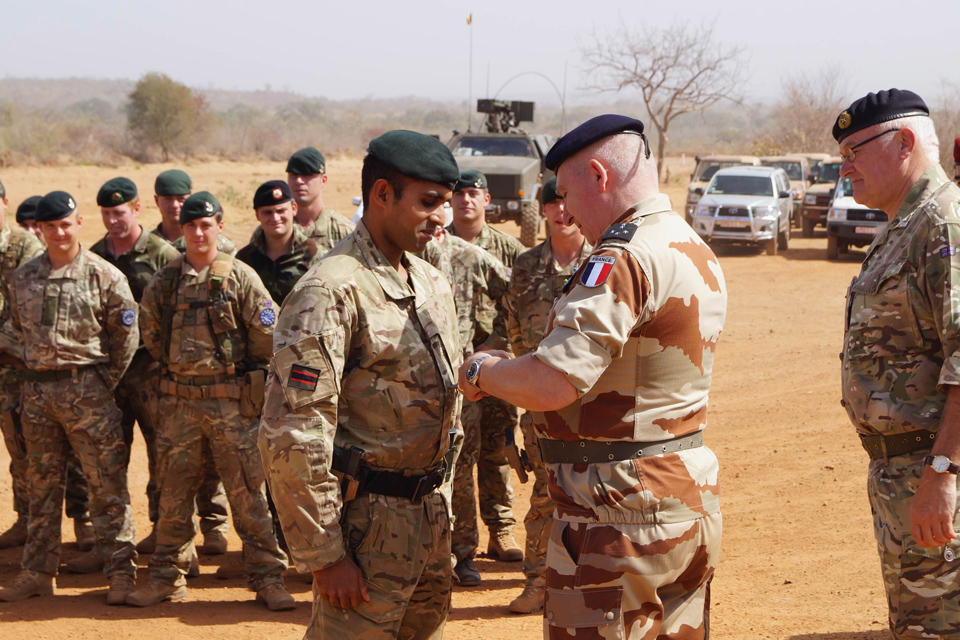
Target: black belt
x=886 y=446
x=385 y=482
x=52 y=375
x=596 y=451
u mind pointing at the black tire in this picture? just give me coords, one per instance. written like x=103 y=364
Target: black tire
x=771 y=247
x=843 y=247
x=783 y=238
x=530 y=224
x=808 y=226
x=832 y=247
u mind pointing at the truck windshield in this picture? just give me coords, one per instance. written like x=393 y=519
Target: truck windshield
x=829 y=172
x=794 y=169
x=706 y=169
x=476 y=146
x=741 y=186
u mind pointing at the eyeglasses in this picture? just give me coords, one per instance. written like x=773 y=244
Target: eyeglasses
x=851 y=155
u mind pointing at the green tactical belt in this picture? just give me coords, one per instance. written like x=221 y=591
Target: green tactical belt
x=597 y=451
x=51 y=375
x=897 y=444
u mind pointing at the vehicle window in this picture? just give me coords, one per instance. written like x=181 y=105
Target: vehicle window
x=783 y=184
x=844 y=187
x=706 y=170
x=794 y=169
x=475 y=146
x=741 y=185
x=829 y=172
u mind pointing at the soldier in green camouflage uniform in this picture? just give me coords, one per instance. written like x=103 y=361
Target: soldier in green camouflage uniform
x=209 y=322
x=619 y=387
x=901 y=356
x=77 y=322
x=539 y=276
x=171 y=190
x=360 y=421
x=306 y=176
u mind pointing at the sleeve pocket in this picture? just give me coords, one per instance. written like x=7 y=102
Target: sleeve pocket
x=306 y=373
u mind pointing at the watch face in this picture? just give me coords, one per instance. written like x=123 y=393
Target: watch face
x=472 y=370
x=941 y=464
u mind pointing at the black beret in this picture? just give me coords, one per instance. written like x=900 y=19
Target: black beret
x=28 y=208
x=3 y=191
x=875 y=108
x=416 y=156
x=471 y=178
x=173 y=183
x=56 y=205
x=589 y=132
x=116 y=192
x=272 y=192
x=306 y=162
x=200 y=205
x=549 y=191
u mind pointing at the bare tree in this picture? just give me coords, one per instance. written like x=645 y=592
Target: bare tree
x=678 y=70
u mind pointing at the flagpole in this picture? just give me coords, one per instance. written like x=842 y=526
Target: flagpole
x=470 y=75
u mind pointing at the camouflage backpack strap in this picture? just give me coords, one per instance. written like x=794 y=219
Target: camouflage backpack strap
x=219 y=276
x=168 y=299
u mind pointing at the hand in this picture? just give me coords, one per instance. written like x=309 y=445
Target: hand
x=342 y=584
x=933 y=508
x=469 y=391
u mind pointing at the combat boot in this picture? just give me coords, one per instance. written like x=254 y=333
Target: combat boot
x=16 y=535
x=121 y=586
x=214 y=543
x=530 y=601
x=86 y=538
x=503 y=547
x=26 y=585
x=155 y=593
x=276 y=598
x=467 y=573
x=194 y=569
x=149 y=544
x=232 y=571
x=90 y=562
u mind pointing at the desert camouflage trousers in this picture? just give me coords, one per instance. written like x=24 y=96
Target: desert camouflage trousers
x=540 y=514
x=484 y=426
x=403 y=550
x=631 y=581
x=921 y=583
x=79 y=414
x=185 y=429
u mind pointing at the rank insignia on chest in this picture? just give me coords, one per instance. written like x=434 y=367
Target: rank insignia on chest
x=302 y=377
x=268 y=316
x=128 y=317
x=597 y=270
x=948 y=251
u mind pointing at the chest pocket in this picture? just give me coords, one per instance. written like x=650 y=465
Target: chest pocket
x=880 y=311
x=439 y=334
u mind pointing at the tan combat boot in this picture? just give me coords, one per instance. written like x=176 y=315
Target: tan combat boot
x=90 y=562
x=194 y=569
x=26 y=585
x=149 y=544
x=16 y=535
x=530 y=601
x=121 y=586
x=155 y=593
x=86 y=538
x=276 y=598
x=503 y=547
x=214 y=543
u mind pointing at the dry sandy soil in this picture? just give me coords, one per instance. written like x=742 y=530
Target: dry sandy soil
x=798 y=560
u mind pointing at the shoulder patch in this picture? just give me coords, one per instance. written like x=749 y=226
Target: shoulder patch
x=623 y=231
x=302 y=377
x=596 y=271
x=128 y=317
x=268 y=316
x=948 y=251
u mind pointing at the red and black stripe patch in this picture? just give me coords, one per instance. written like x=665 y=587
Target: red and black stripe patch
x=302 y=377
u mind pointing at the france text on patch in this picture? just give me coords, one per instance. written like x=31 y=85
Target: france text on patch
x=597 y=270
x=302 y=377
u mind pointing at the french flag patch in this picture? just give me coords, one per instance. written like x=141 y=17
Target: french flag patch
x=596 y=270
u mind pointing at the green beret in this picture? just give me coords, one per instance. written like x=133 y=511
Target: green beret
x=471 y=179
x=549 y=191
x=200 y=205
x=28 y=209
x=416 y=156
x=875 y=108
x=3 y=191
x=173 y=183
x=306 y=162
x=56 y=205
x=116 y=192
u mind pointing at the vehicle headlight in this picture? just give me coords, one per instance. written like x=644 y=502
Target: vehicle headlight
x=837 y=214
x=693 y=197
x=796 y=193
x=513 y=205
x=810 y=199
x=706 y=210
x=765 y=212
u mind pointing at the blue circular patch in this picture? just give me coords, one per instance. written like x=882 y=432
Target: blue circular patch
x=268 y=316
x=128 y=317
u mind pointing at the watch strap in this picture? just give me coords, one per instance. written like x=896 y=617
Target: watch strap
x=954 y=468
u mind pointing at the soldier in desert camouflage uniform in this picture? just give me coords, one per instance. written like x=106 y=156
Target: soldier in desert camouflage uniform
x=619 y=386
x=77 y=322
x=171 y=190
x=901 y=356
x=209 y=322
x=539 y=276
x=306 y=176
x=362 y=408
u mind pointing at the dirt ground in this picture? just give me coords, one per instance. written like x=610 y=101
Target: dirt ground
x=798 y=560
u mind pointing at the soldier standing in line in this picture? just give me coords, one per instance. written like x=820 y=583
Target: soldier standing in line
x=209 y=321
x=539 y=276
x=171 y=189
x=306 y=176
x=77 y=322
x=359 y=427
x=25 y=216
x=495 y=417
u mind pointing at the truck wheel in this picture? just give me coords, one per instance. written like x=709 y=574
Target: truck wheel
x=843 y=247
x=783 y=238
x=771 y=247
x=808 y=226
x=530 y=224
x=832 y=247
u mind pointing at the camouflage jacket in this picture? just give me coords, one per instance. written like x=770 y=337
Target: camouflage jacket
x=16 y=248
x=901 y=347
x=361 y=358
x=327 y=230
x=279 y=276
x=635 y=333
x=81 y=314
x=471 y=271
x=536 y=283
x=224 y=243
x=237 y=321
x=148 y=255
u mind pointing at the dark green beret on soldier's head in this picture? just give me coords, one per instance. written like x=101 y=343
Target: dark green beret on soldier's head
x=471 y=178
x=56 y=205
x=28 y=209
x=272 y=192
x=875 y=108
x=116 y=192
x=173 y=183
x=306 y=162
x=202 y=204
x=549 y=191
x=416 y=156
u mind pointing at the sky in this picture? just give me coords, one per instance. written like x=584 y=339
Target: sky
x=372 y=48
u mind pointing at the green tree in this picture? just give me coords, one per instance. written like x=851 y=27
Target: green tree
x=166 y=114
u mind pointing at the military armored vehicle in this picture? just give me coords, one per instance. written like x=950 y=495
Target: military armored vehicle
x=512 y=160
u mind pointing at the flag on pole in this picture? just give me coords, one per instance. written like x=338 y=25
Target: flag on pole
x=469 y=19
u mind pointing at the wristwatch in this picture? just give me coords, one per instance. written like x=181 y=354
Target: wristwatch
x=940 y=464
x=473 y=371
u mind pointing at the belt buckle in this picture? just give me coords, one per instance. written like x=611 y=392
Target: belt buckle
x=427 y=484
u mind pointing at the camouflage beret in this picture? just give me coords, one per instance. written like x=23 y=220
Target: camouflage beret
x=875 y=108
x=272 y=192
x=416 y=156
x=471 y=178
x=116 y=192
x=549 y=191
x=28 y=209
x=173 y=183
x=589 y=132
x=306 y=162
x=200 y=205
x=56 y=205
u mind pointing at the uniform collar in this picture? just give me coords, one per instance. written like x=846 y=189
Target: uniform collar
x=259 y=240
x=546 y=255
x=382 y=270
x=70 y=271
x=654 y=204
x=5 y=234
x=931 y=180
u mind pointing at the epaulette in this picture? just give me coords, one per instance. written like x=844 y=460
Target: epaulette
x=623 y=231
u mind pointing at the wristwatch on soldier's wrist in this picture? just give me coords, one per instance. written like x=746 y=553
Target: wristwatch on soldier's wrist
x=942 y=464
x=473 y=371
